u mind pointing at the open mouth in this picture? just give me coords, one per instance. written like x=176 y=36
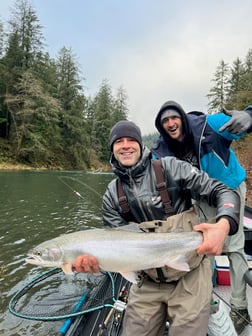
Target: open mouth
x=32 y=259
x=172 y=130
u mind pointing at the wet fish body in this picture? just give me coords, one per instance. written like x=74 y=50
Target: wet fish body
x=118 y=250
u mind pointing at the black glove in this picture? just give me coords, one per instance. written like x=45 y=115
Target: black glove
x=239 y=123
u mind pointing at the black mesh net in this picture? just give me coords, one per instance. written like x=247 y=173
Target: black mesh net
x=55 y=296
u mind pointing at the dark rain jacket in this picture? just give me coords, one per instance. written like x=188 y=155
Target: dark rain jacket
x=211 y=147
x=183 y=182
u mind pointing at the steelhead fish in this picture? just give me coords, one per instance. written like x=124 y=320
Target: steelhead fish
x=118 y=250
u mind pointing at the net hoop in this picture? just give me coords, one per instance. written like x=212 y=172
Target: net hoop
x=15 y=298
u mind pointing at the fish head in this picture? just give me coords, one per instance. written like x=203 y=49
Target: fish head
x=45 y=256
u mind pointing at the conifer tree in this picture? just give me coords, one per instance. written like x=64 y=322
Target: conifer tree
x=71 y=96
x=34 y=115
x=103 y=113
x=236 y=80
x=218 y=93
x=120 y=111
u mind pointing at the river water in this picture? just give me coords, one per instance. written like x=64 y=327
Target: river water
x=36 y=206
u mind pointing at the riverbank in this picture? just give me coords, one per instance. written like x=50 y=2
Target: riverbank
x=18 y=166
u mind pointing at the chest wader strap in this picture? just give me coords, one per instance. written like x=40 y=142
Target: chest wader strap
x=126 y=213
x=161 y=187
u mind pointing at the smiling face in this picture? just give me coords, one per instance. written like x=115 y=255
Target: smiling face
x=127 y=151
x=173 y=127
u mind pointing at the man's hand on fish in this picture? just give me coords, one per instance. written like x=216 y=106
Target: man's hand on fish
x=214 y=236
x=86 y=264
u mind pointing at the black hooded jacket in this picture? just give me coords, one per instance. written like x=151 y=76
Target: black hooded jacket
x=210 y=149
x=182 y=182
x=167 y=146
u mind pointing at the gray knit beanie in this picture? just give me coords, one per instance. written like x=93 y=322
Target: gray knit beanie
x=125 y=128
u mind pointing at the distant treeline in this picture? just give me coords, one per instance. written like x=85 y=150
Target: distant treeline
x=47 y=119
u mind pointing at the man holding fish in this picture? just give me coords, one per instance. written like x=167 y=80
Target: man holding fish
x=168 y=291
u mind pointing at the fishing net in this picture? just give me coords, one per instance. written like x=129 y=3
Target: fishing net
x=54 y=296
x=108 y=320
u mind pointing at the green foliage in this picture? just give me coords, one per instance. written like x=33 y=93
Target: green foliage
x=44 y=114
x=102 y=113
x=218 y=93
x=120 y=110
x=34 y=120
x=232 y=85
x=72 y=100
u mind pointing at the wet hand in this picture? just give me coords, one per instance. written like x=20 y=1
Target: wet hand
x=214 y=236
x=86 y=264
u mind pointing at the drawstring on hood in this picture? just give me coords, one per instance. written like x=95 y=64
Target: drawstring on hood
x=180 y=149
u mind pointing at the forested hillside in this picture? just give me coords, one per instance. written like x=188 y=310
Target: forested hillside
x=46 y=117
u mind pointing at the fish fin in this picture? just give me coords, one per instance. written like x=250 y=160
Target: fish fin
x=179 y=263
x=67 y=268
x=130 y=276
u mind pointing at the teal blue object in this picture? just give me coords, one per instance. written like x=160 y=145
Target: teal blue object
x=66 y=325
x=214 y=277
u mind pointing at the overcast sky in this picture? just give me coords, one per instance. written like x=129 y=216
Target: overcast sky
x=156 y=50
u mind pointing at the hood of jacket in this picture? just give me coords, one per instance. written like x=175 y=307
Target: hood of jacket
x=176 y=147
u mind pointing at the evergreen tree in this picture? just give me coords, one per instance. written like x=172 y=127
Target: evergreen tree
x=72 y=99
x=236 y=90
x=235 y=84
x=34 y=115
x=45 y=69
x=1 y=39
x=218 y=93
x=103 y=113
x=3 y=76
x=247 y=83
x=120 y=111
x=233 y=89
x=24 y=41
x=92 y=142
x=27 y=31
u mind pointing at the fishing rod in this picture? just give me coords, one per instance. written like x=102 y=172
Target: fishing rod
x=62 y=178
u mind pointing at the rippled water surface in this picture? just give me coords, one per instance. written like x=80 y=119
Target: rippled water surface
x=36 y=206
